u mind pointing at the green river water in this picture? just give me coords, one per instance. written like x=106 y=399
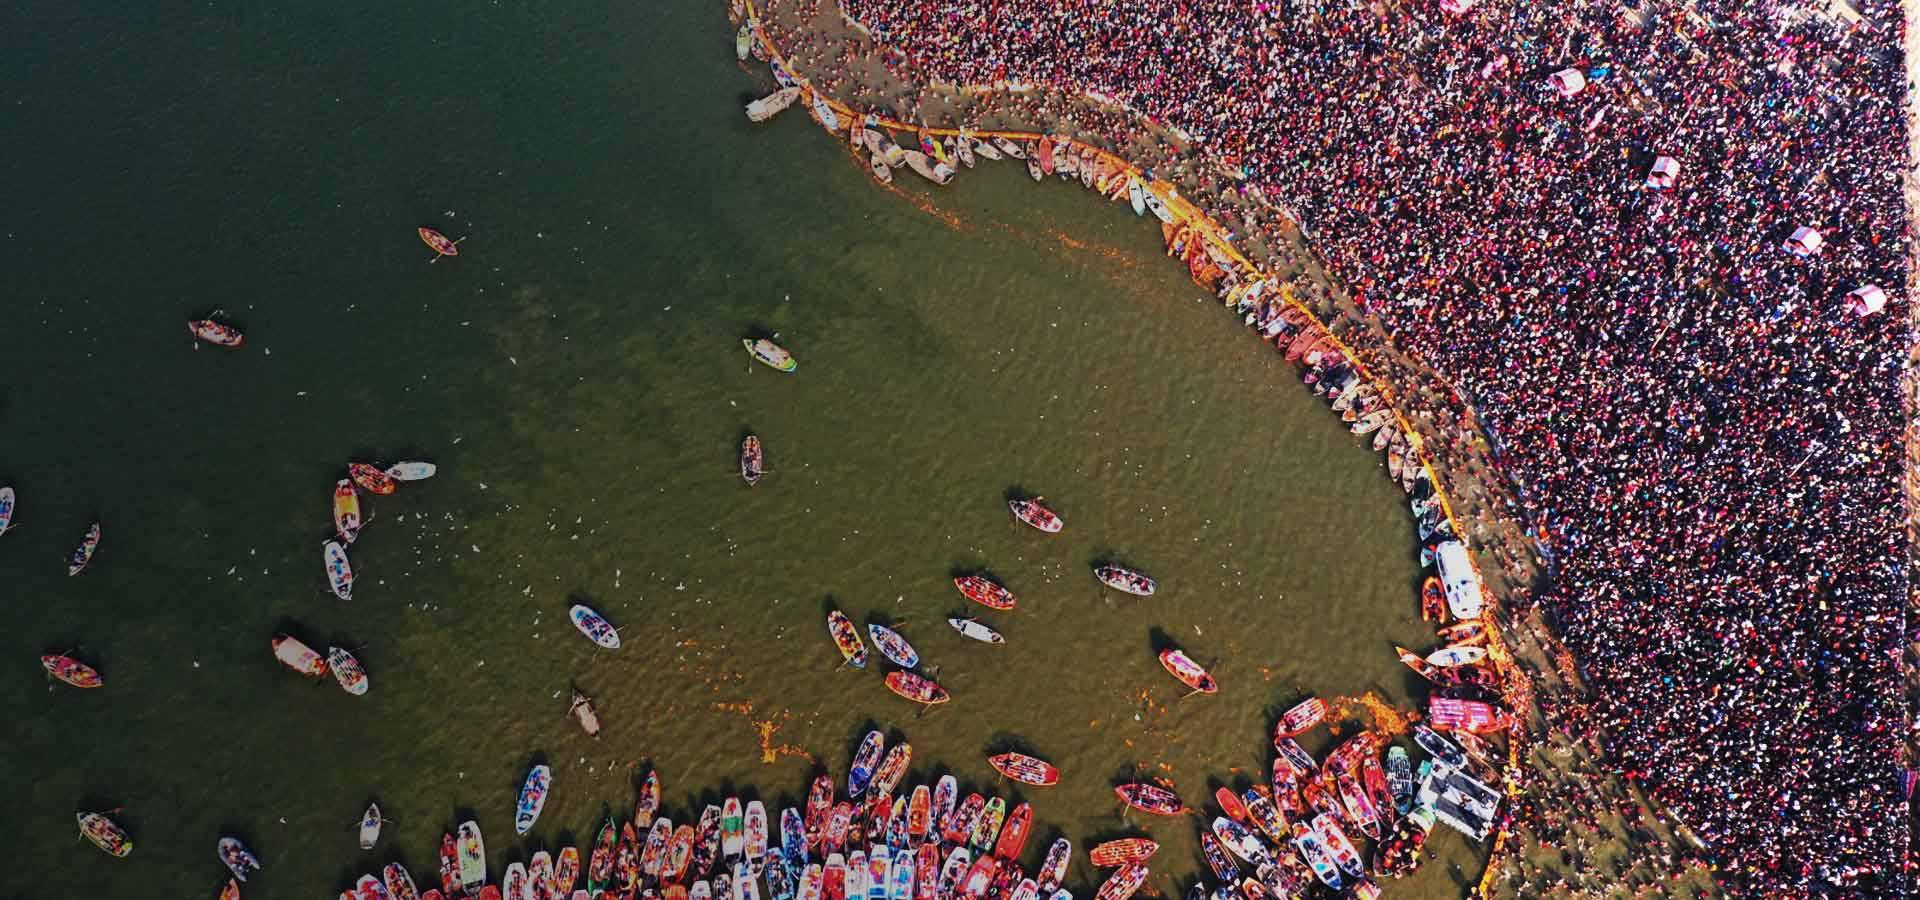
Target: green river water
x=577 y=375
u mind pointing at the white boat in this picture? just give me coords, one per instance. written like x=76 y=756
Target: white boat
x=975 y=630
x=346 y=670
x=964 y=150
x=984 y=149
x=411 y=471
x=237 y=858
x=1137 y=195
x=823 y=112
x=6 y=509
x=533 y=799
x=370 y=826
x=339 y=571
x=1372 y=421
x=1158 y=206
x=881 y=172
x=1456 y=656
x=1010 y=148
x=928 y=169
x=594 y=626
x=743 y=41
x=772 y=104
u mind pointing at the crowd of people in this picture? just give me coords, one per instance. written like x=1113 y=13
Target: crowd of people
x=1710 y=439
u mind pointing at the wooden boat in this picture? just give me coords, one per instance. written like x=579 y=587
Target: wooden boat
x=893 y=646
x=1456 y=656
x=887 y=775
x=449 y=865
x=770 y=353
x=733 y=829
x=1296 y=756
x=1433 y=600
x=237 y=858
x=370 y=887
x=952 y=873
x=1358 y=808
x=986 y=827
x=1327 y=829
x=1241 y=842
x=1156 y=205
x=6 y=509
x=1223 y=865
x=600 y=861
x=1013 y=834
x=974 y=629
x=540 y=872
x=440 y=244
x=515 y=883
x=1230 y=804
x=372 y=479
x=339 y=571
x=215 y=333
x=412 y=470
x=679 y=853
x=772 y=104
x=959 y=825
x=347 y=670
x=847 y=638
x=865 y=759
x=399 y=882
x=742 y=45
x=1137 y=196
x=71 y=671
x=1053 y=867
x=581 y=709
x=837 y=826
x=230 y=890
x=984 y=592
x=963 y=149
x=1190 y=673
x=1122 y=884
x=919 y=817
x=979 y=878
x=854 y=884
x=1372 y=421
x=1033 y=169
x=882 y=172
x=1466 y=715
x=1315 y=852
x=752 y=463
x=1032 y=513
x=756 y=836
x=346 y=511
x=1025 y=769
x=1400 y=779
x=653 y=854
x=1010 y=148
x=1122 y=851
x=646 y=801
x=916 y=688
x=1121 y=578
x=104 y=833
x=1470 y=631
x=626 y=860
x=595 y=627
x=984 y=149
x=473 y=855
x=1299 y=719
x=1286 y=789
x=1043 y=154
x=83 y=554
x=1150 y=799
x=533 y=798
x=827 y=116
x=370 y=823
x=936 y=172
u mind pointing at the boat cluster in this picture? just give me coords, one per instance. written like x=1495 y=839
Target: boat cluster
x=347 y=520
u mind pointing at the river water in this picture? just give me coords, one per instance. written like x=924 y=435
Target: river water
x=577 y=375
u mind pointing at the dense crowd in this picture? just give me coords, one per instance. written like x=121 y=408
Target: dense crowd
x=1711 y=440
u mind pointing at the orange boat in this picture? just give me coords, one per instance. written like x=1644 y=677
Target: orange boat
x=916 y=688
x=1013 y=834
x=1231 y=805
x=1122 y=883
x=1150 y=799
x=71 y=671
x=1433 y=600
x=1467 y=633
x=1182 y=666
x=441 y=246
x=372 y=479
x=215 y=333
x=984 y=592
x=1122 y=851
x=1025 y=769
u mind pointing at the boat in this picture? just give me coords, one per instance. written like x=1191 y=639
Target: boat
x=952 y=871
x=372 y=479
x=1433 y=600
x=1471 y=716
x=370 y=887
x=1286 y=789
x=83 y=554
x=1300 y=718
x=1265 y=816
x=347 y=670
x=1439 y=747
x=215 y=333
x=847 y=638
x=1372 y=421
x=346 y=511
x=399 y=882
x=1033 y=169
x=1315 y=852
x=860 y=771
x=985 y=592
x=1446 y=657
x=679 y=853
x=916 y=688
x=231 y=890
x=1053 y=867
x=1241 y=842
x=1032 y=513
x=900 y=878
x=879 y=865
x=1025 y=769
x=887 y=776
x=1295 y=756
x=1013 y=833
x=653 y=853
x=756 y=837
x=1230 y=804
x=959 y=826
x=974 y=629
x=1121 y=578
x=1150 y=799
x=6 y=508
x=581 y=709
x=819 y=809
x=733 y=829
x=71 y=671
x=1400 y=852
x=780 y=883
x=473 y=854
x=752 y=463
x=104 y=833
x=837 y=826
x=626 y=860
x=893 y=646
x=824 y=113
x=1137 y=196
x=339 y=571
x=745 y=885
x=812 y=883
x=1122 y=851
x=1327 y=828
x=566 y=870
x=370 y=823
x=935 y=172
x=646 y=799
x=963 y=148
x=533 y=798
x=540 y=872
x=1222 y=864
x=742 y=45
x=1400 y=779
x=978 y=879
x=440 y=244
x=1010 y=148
x=1190 y=673
x=793 y=833
x=987 y=827
x=237 y=858
x=1470 y=631
x=770 y=353
x=772 y=104
x=596 y=628
x=1359 y=808
x=600 y=860
x=984 y=149
x=411 y=471
x=946 y=795
x=881 y=171
x=853 y=885
x=706 y=840
x=1156 y=205
x=1123 y=882
x=515 y=884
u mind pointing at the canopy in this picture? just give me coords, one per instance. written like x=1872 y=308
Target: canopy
x=1457 y=7
x=1462 y=583
x=1866 y=299
x=1568 y=82
x=1804 y=242
x=1665 y=170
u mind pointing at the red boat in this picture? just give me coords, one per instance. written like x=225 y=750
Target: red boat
x=1013 y=834
x=1121 y=852
x=71 y=671
x=1032 y=513
x=1150 y=799
x=441 y=246
x=1025 y=769
x=449 y=865
x=372 y=479
x=1182 y=666
x=984 y=592
x=1466 y=715
x=1230 y=804
x=916 y=688
x=1123 y=882
x=1303 y=716
x=215 y=333
x=1433 y=600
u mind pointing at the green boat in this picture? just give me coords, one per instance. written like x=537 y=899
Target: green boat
x=473 y=856
x=600 y=864
x=770 y=353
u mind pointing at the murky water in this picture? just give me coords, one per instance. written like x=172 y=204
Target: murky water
x=576 y=373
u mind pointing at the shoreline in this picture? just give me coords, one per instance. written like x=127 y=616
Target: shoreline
x=1462 y=460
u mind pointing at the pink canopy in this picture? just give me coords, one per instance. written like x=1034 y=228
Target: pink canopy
x=1866 y=300
x=1568 y=82
x=1804 y=241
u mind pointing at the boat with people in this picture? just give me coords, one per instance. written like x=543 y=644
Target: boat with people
x=346 y=511
x=1037 y=515
x=533 y=798
x=1300 y=718
x=772 y=104
x=1122 y=884
x=236 y=857
x=372 y=479
x=984 y=591
x=1190 y=673
x=771 y=354
x=339 y=571
x=916 y=688
x=71 y=671
x=399 y=882
x=442 y=246
x=346 y=669
x=104 y=833
x=853 y=652
x=594 y=626
x=1448 y=657
x=931 y=170
x=974 y=629
x=1122 y=851
x=370 y=822
x=473 y=855
x=1121 y=578
x=6 y=508
x=216 y=333
x=1025 y=769
x=83 y=554
x=877 y=164
x=894 y=647
x=1150 y=798
x=752 y=462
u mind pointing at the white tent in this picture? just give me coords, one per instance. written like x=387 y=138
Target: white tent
x=1804 y=241
x=1866 y=300
x=1568 y=82
x=1665 y=171
x=1462 y=583
x=1457 y=7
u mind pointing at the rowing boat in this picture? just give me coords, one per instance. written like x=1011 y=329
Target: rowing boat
x=881 y=171
x=1296 y=756
x=449 y=865
x=916 y=688
x=1010 y=148
x=339 y=571
x=370 y=822
x=1303 y=716
x=1190 y=673
x=1327 y=829
x=540 y=872
x=847 y=638
x=83 y=554
x=893 y=646
x=600 y=860
x=533 y=798
x=6 y=509
x=71 y=671
x=411 y=471
x=372 y=479
x=653 y=855
x=594 y=626
x=986 y=827
x=1121 y=578
x=887 y=775
x=346 y=511
x=1025 y=769
x=1457 y=656
x=1150 y=799
x=1433 y=600
x=1241 y=842
x=1223 y=865
x=473 y=856
x=751 y=460
x=1013 y=834
x=515 y=884
x=985 y=592
x=974 y=629
x=581 y=709
x=399 y=882
x=1314 y=851
x=440 y=244
x=757 y=835
x=236 y=857
x=767 y=107
x=733 y=829
x=347 y=670
x=770 y=353
x=1032 y=513
x=215 y=333
x=646 y=800
x=679 y=854
x=105 y=833
x=1122 y=851
x=860 y=771
x=1122 y=883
